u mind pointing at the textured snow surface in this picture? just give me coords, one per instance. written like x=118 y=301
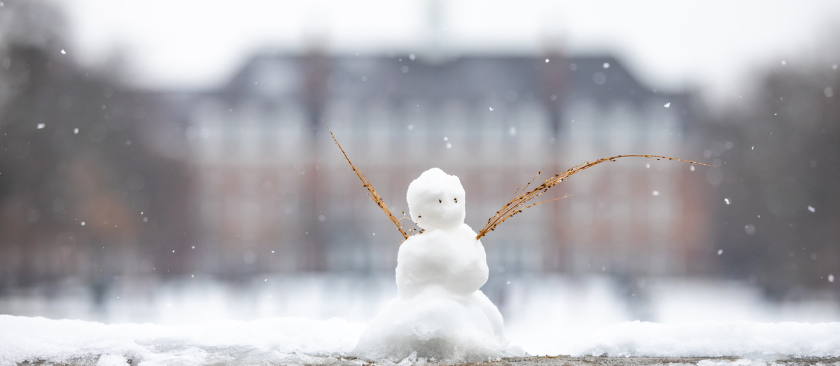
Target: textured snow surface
x=279 y=340
x=296 y=340
x=711 y=339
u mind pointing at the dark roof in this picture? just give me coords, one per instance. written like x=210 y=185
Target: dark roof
x=465 y=78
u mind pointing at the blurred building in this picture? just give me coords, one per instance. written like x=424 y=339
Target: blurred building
x=273 y=193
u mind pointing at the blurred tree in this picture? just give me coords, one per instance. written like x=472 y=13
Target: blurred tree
x=81 y=193
x=781 y=170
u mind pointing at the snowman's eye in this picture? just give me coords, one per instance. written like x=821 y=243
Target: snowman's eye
x=440 y=201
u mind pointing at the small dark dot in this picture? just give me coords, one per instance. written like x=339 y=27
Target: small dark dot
x=456 y=200
x=439 y=201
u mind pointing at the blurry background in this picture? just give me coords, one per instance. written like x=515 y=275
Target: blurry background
x=166 y=162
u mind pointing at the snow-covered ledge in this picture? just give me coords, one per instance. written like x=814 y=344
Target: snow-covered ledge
x=284 y=341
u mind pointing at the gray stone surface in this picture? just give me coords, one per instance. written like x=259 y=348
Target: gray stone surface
x=761 y=360
x=671 y=361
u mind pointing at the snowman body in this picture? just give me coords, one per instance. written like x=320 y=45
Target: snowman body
x=439 y=312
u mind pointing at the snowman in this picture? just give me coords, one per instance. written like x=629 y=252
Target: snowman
x=439 y=312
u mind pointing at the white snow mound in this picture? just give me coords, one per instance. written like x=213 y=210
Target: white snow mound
x=296 y=341
x=277 y=340
x=714 y=339
x=439 y=312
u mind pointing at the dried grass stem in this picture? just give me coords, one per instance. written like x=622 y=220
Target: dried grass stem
x=521 y=197
x=371 y=192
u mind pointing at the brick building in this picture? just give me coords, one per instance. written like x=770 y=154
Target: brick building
x=272 y=193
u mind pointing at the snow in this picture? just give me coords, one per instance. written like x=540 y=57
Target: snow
x=595 y=316
x=439 y=311
x=272 y=340
x=325 y=315
x=709 y=339
x=426 y=196
x=288 y=340
x=112 y=360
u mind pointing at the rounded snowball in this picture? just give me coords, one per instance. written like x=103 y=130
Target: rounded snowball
x=436 y=200
x=452 y=259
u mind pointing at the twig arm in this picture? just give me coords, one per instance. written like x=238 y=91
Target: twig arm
x=518 y=203
x=371 y=192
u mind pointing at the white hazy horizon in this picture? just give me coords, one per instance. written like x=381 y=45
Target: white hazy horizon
x=711 y=46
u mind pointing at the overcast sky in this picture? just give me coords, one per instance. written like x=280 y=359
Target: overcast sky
x=712 y=45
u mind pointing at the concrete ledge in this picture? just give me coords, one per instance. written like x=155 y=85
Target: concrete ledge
x=758 y=360
x=670 y=361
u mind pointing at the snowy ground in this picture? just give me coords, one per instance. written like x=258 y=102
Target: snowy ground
x=288 y=319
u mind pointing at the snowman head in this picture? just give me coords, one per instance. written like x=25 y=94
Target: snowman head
x=436 y=200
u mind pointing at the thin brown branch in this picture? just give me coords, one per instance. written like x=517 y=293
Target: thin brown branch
x=518 y=203
x=371 y=192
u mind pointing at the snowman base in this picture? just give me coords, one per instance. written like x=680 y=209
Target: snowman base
x=436 y=324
